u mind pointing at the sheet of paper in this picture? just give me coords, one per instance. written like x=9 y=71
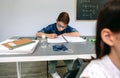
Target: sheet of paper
x=74 y=39
x=26 y=49
x=59 y=39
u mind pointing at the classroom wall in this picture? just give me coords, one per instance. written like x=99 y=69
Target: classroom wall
x=26 y=17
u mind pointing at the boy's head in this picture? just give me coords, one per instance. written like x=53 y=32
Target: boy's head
x=62 y=21
x=63 y=17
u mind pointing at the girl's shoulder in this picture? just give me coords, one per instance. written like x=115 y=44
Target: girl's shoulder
x=100 y=68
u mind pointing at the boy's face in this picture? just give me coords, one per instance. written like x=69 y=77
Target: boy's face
x=61 y=26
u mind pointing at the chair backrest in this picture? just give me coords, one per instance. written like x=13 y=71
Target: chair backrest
x=82 y=67
x=78 y=67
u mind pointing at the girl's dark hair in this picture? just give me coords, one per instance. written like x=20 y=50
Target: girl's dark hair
x=109 y=17
x=63 y=17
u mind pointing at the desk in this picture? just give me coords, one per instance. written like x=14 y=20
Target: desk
x=77 y=50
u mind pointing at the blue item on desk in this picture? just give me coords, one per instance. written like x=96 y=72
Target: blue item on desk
x=60 y=47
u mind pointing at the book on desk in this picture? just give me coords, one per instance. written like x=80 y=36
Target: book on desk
x=62 y=39
x=18 y=46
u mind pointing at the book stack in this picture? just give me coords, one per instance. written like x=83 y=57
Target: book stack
x=18 y=46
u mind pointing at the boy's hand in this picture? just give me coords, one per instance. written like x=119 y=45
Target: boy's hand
x=51 y=35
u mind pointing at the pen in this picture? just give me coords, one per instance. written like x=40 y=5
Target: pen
x=65 y=38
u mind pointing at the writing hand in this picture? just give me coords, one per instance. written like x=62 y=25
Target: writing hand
x=52 y=35
x=65 y=34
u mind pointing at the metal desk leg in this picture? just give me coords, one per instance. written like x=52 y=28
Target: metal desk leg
x=18 y=67
x=47 y=70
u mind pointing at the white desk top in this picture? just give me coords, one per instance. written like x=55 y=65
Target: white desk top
x=76 y=50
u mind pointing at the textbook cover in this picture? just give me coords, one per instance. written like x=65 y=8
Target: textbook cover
x=17 y=43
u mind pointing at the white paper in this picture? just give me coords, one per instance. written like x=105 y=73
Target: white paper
x=74 y=39
x=59 y=39
x=26 y=49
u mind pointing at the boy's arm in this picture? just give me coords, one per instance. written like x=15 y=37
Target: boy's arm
x=72 y=34
x=39 y=34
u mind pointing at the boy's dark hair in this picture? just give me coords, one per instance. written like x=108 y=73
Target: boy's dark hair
x=109 y=17
x=63 y=17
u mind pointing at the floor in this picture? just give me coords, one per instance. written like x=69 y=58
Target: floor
x=29 y=70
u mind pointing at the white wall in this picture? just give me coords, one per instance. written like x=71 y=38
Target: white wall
x=26 y=17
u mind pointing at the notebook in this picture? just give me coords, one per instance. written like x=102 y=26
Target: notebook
x=62 y=39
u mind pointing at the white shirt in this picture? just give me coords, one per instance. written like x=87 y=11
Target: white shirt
x=101 y=68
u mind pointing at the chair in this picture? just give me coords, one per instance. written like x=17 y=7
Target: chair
x=78 y=67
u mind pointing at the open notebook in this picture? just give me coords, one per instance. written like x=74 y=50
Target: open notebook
x=26 y=49
x=62 y=39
